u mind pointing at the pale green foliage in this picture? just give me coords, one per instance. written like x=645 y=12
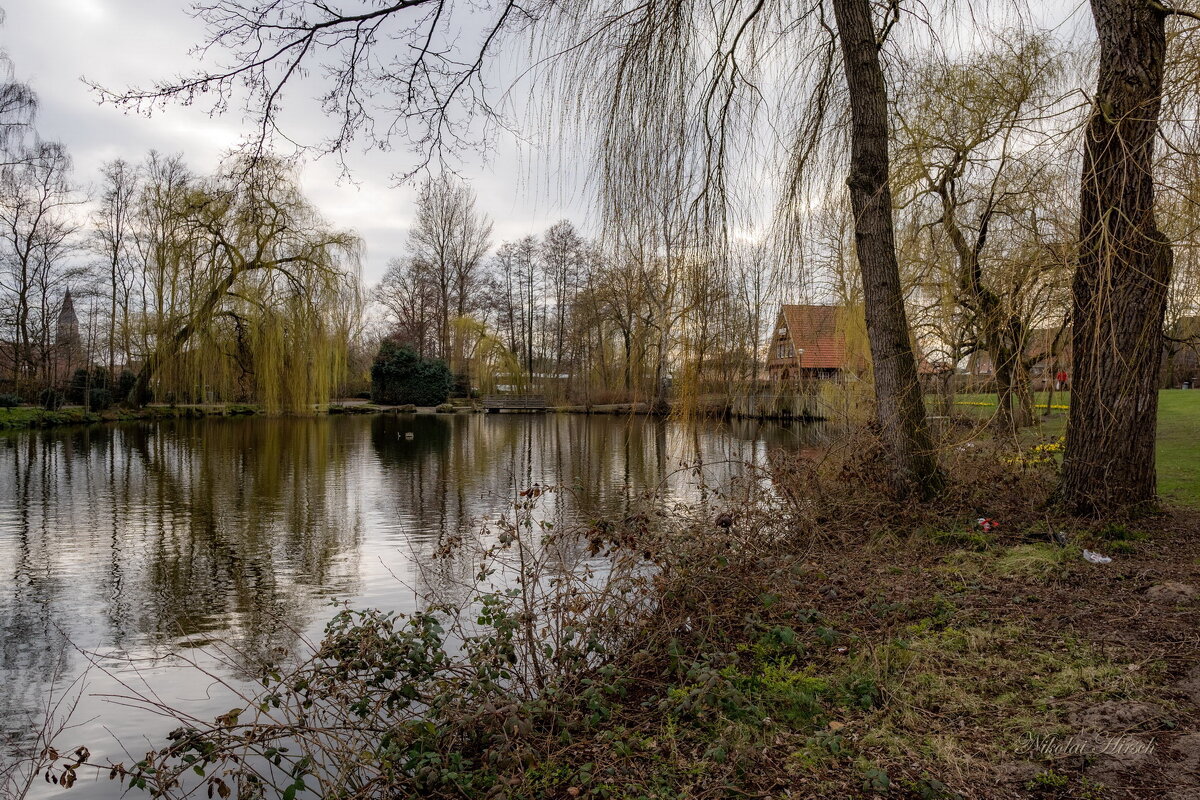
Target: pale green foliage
x=263 y=294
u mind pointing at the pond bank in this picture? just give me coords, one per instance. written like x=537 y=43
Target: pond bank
x=24 y=417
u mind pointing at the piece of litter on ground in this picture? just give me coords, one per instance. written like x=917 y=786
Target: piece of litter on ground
x=1095 y=558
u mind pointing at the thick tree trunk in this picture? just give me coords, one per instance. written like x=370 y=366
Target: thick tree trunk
x=1004 y=397
x=900 y=405
x=1051 y=388
x=140 y=395
x=1120 y=287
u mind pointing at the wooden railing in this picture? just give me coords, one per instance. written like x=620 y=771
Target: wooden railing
x=514 y=402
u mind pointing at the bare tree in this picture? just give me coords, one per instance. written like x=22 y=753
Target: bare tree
x=394 y=69
x=505 y=298
x=529 y=290
x=36 y=228
x=564 y=265
x=18 y=107
x=113 y=235
x=449 y=240
x=409 y=299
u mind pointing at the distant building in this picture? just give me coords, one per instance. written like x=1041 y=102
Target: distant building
x=1181 y=354
x=67 y=328
x=1039 y=347
x=810 y=343
x=61 y=357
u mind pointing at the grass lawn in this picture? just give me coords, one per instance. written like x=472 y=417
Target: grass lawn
x=1178 y=435
x=36 y=417
x=1179 y=445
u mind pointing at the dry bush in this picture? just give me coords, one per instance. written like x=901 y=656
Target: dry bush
x=846 y=493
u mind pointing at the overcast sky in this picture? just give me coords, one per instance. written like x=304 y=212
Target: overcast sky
x=120 y=43
x=124 y=43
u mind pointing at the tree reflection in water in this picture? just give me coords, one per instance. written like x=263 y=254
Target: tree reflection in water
x=145 y=542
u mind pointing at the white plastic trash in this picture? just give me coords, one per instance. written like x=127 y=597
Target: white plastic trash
x=1095 y=558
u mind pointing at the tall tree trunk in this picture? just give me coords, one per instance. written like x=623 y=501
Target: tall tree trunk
x=1120 y=286
x=659 y=404
x=948 y=392
x=626 y=338
x=1013 y=400
x=900 y=406
x=1051 y=387
x=112 y=325
x=1023 y=393
x=1004 y=395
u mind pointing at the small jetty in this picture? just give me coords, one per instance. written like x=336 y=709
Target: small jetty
x=495 y=403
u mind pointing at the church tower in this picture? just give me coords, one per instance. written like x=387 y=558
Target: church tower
x=67 y=335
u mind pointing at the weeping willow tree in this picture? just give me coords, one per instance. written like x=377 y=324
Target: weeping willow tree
x=264 y=295
x=980 y=170
x=489 y=360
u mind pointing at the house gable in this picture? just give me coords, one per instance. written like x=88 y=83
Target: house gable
x=810 y=341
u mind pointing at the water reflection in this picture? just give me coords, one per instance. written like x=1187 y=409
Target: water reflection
x=147 y=542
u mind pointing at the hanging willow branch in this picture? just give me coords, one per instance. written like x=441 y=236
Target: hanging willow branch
x=260 y=253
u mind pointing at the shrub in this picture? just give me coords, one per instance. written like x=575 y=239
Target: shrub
x=85 y=381
x=50 y=399
x=399 y=376
x=99 y=399
x=9 y=401
x=124 y=385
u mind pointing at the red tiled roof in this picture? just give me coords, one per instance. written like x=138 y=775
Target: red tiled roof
x=817 y=331
x=1039 y=344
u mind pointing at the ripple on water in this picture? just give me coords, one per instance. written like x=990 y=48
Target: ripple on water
x=163 y=563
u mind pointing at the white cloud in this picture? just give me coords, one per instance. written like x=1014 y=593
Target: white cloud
x=118 y=43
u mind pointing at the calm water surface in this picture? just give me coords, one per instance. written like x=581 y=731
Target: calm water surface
x=157 y=558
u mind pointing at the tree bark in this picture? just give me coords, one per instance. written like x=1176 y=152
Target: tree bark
x=900 y=407
x=1120 y=287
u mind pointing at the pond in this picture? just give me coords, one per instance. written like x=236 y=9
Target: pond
x=166 y=560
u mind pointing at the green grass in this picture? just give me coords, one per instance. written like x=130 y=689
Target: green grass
x=1178 y=435
x=34 y=417
x=1179 y=445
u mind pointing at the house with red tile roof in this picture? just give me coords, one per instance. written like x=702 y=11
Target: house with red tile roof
x=810 y=342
